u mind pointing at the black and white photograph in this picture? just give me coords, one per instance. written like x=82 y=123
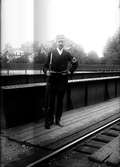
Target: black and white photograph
x=60 y=83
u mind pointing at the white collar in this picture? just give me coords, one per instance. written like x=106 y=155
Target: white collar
x=60 y=51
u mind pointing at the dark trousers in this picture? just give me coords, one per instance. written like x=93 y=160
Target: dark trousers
x=56 y=87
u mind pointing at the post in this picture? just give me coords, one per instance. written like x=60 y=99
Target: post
x=86 y=94
x=115 y=88
x=106 y=94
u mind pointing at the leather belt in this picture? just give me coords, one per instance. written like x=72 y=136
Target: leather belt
x=59 y=72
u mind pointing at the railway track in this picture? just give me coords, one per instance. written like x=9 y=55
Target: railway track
x=80 y=152
x=31 y=145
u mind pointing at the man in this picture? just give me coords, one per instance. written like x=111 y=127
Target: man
x=56 y=68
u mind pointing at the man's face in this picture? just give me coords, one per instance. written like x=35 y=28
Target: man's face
x=60 y=44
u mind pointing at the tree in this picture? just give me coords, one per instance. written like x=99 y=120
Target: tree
x=93 y=58
x=27 y=48
x=36 y=46
x=112 y=50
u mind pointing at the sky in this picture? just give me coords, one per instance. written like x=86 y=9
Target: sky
x=17 y=22
x=89 y=23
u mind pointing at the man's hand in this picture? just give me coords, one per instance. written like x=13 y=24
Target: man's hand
x=48 y=73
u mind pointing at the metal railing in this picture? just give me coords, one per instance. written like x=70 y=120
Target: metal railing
x=82 y=67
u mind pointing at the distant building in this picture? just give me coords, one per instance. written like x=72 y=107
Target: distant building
x=19 y=53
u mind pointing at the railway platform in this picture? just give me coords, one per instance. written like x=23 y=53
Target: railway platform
x=32 y=141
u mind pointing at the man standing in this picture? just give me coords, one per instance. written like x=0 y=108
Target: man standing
x=56 y=69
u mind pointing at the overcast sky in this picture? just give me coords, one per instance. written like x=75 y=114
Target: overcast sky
x=89 y=23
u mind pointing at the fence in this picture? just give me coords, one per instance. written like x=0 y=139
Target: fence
x=38 y=69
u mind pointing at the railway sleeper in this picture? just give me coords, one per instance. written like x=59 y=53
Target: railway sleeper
x=108 y=154
x=111 y=133
x=86 y=149
x=95 y=144
x=117 y=128
x=103 y=138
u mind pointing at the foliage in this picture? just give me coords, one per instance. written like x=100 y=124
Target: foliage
x=34 y=54
x=112 y=50
x=92 y=58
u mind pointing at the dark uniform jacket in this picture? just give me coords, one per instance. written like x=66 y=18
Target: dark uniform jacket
x=60 y=63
